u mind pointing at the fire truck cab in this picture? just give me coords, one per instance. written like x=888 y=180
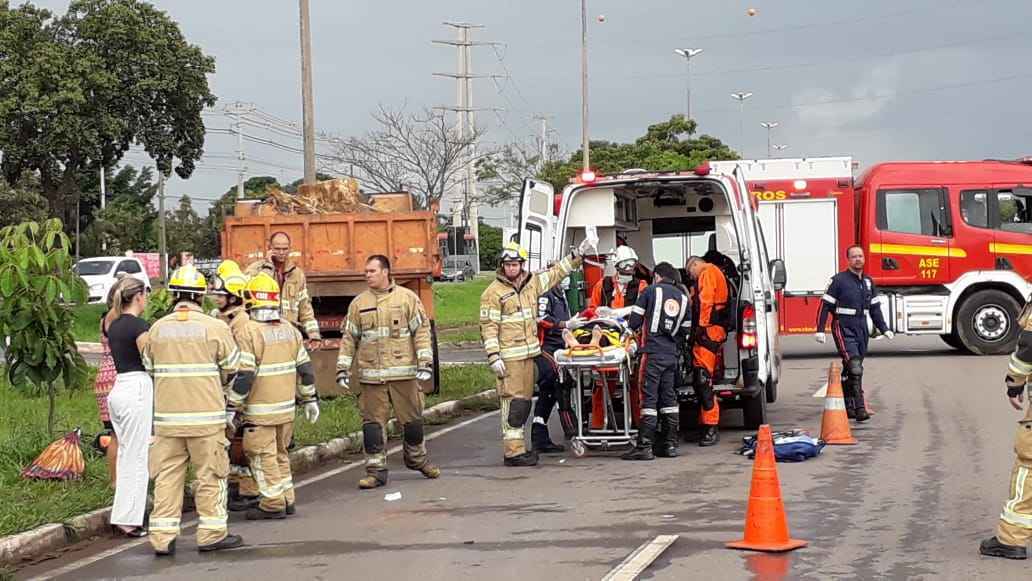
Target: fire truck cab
x=948 y=243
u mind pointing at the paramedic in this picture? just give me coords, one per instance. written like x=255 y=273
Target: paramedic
x=710 y=333
x=553 y=317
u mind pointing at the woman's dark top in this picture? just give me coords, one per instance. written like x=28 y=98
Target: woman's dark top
x=122 y=335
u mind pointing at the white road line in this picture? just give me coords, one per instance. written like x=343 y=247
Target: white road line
x=639 y=560
x=86 y=561
x=823 y=391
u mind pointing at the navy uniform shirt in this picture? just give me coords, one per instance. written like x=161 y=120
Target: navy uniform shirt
x=849 y=299
x=553 y=310
x=663 y=311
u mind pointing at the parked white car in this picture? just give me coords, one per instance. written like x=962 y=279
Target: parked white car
x=101 y=272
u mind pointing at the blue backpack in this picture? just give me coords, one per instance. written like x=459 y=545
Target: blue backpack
x=793 y=446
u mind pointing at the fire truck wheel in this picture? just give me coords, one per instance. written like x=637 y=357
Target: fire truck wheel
x=987 y=322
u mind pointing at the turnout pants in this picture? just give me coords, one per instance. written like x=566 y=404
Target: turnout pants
x=168 y=464
x=374 y=402
x=266 y=450
x=707 y=357
x=1015 y=526
x=131 y=405
x=515 y=392
x=660 y=396
x=851 y=342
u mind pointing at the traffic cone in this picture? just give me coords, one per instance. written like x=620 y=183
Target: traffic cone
x=835 y=422
x=766 y=526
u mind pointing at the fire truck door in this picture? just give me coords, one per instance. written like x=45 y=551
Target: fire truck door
x=914 y=238
x=1010 y=216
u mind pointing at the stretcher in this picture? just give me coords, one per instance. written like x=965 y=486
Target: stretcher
x=581 y=369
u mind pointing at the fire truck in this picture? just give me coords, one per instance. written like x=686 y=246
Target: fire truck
x=948 y=243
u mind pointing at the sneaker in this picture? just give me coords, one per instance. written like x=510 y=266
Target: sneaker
x=230 y=542
x=992 y=547
x=258 y=513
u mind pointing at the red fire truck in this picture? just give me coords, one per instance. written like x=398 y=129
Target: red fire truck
x=949 y=243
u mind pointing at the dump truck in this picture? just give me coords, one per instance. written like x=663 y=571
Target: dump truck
x=331 y=242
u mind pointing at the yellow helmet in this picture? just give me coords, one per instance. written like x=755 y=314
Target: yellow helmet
x=229 y=280
x=262 y=292
x=187 y=279
x=513 y=252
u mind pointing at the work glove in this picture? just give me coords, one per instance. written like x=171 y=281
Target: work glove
x=889 y=335
x=230 y=419
x=576 y=322
x=343 y=381
x=620 y=313
x=312 y=412
x=603 y=312
x=499 y=368
x=587 y=245
x=820 y=337
x=424 y=375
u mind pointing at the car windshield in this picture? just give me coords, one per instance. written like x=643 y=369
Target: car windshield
x=93 y=267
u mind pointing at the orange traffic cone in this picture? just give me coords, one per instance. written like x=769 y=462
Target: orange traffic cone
x=835 y=422
x=766 y=526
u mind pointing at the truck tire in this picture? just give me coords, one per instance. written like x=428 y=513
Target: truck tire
x=953 y=340
x=437 y=359
x=987 y=322
x=754 y=410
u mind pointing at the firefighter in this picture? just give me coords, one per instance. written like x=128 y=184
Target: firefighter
x=274 y=371
x=708 y=335
x=553 y=317
x=192 y=357
x=227 y=292
x=622 y=289
x=663 y=313
x=1014 y=530
x=386 y=343
x=851 y=295
x=295 y=304
x=508 y=326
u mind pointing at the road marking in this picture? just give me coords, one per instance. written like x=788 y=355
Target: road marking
x=86 y=561
x=639 y=560
x=823 y=391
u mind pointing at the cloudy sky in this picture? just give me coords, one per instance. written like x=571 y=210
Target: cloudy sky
x=878 y=80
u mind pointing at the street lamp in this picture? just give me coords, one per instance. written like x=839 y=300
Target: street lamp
x=688 y=53
x=741 y=97
x=584 y=84
x=768 y=126
x=780 y=147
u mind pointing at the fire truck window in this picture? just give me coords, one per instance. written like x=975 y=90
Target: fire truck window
x=1014 y=212
x=911 y=212
x=974 y=208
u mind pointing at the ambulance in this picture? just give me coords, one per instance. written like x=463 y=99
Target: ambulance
x=949 y=243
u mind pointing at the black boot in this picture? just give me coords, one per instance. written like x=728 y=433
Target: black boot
x=643 y=450
x=541 y=442
x=710 y=436
x=243 y=503
x=523 y=460
x=230 y=542
x=669 y=437
x=861 y=406
x=258 y=513
x=992 y=547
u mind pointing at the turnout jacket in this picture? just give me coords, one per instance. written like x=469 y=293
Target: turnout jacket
x=191 y=356
x=236 y=317
x=295 y=304
x=508 y=317
x=275 y=370
x=848 y=300
x=386 y=335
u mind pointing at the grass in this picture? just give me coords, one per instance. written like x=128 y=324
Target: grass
x=458 y=334
x=457 y=304
x=23 y=436
x=87 y=322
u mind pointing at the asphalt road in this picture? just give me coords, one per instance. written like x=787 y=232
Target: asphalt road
x=911 y=501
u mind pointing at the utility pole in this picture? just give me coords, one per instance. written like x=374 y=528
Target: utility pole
x=103 y=204
x=741 y=97
x=162 y=240
x=306 y=94
x=466 y=125
x=237 y=110
x=585 y=144
x=688 y=54
x=544 y=137
x=768 y=126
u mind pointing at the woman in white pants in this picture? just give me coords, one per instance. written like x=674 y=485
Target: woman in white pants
x=131 y=404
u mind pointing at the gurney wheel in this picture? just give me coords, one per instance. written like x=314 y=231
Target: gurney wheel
x=579 y=449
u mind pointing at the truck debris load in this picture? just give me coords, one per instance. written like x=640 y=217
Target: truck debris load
x=327 y=197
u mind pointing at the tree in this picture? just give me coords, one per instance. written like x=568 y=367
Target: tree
x=210 y=244
x=77 y=90
x=184 y=229
x=21 y=203
x=39 y=288
x=420 y=152
x=666 y=146
x=129 y=221
x=502 y=173
x=490 y=246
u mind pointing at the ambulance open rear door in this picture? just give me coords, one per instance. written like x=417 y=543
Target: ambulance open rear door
x=537 y=224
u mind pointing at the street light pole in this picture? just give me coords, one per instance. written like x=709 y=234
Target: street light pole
x=688 y=54
x=741 y=97
x=780 y=147
x=768 y=126
x=584 y=85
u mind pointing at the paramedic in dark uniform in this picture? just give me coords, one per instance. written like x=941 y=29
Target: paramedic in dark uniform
x=849 y=298
x=663 y=314
x=553 y=317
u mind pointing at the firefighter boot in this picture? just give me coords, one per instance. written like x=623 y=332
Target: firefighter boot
x=373 y=480
x=430 y=471
x=541 y=442
x=992 y=547
x=646 y=435
x=229 y=542
x=861 y=405
x=243 y=503
x=525 y=459
x=710 y=436
x=667 y=440
x=257 y=513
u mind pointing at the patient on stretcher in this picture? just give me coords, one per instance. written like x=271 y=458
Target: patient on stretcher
x=596 y=337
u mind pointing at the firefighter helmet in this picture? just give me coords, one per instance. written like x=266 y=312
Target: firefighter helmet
x=625 y=259
x=229 y=280
x=187 y=279
x=513 y=252
x=262 y=292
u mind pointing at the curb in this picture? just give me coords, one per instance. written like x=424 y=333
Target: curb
x=92 y=348
x=49 y=538
x=461 y=344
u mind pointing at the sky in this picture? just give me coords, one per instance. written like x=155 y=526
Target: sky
x=877 y=80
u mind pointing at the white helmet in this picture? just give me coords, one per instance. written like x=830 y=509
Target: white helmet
x=625 y=259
